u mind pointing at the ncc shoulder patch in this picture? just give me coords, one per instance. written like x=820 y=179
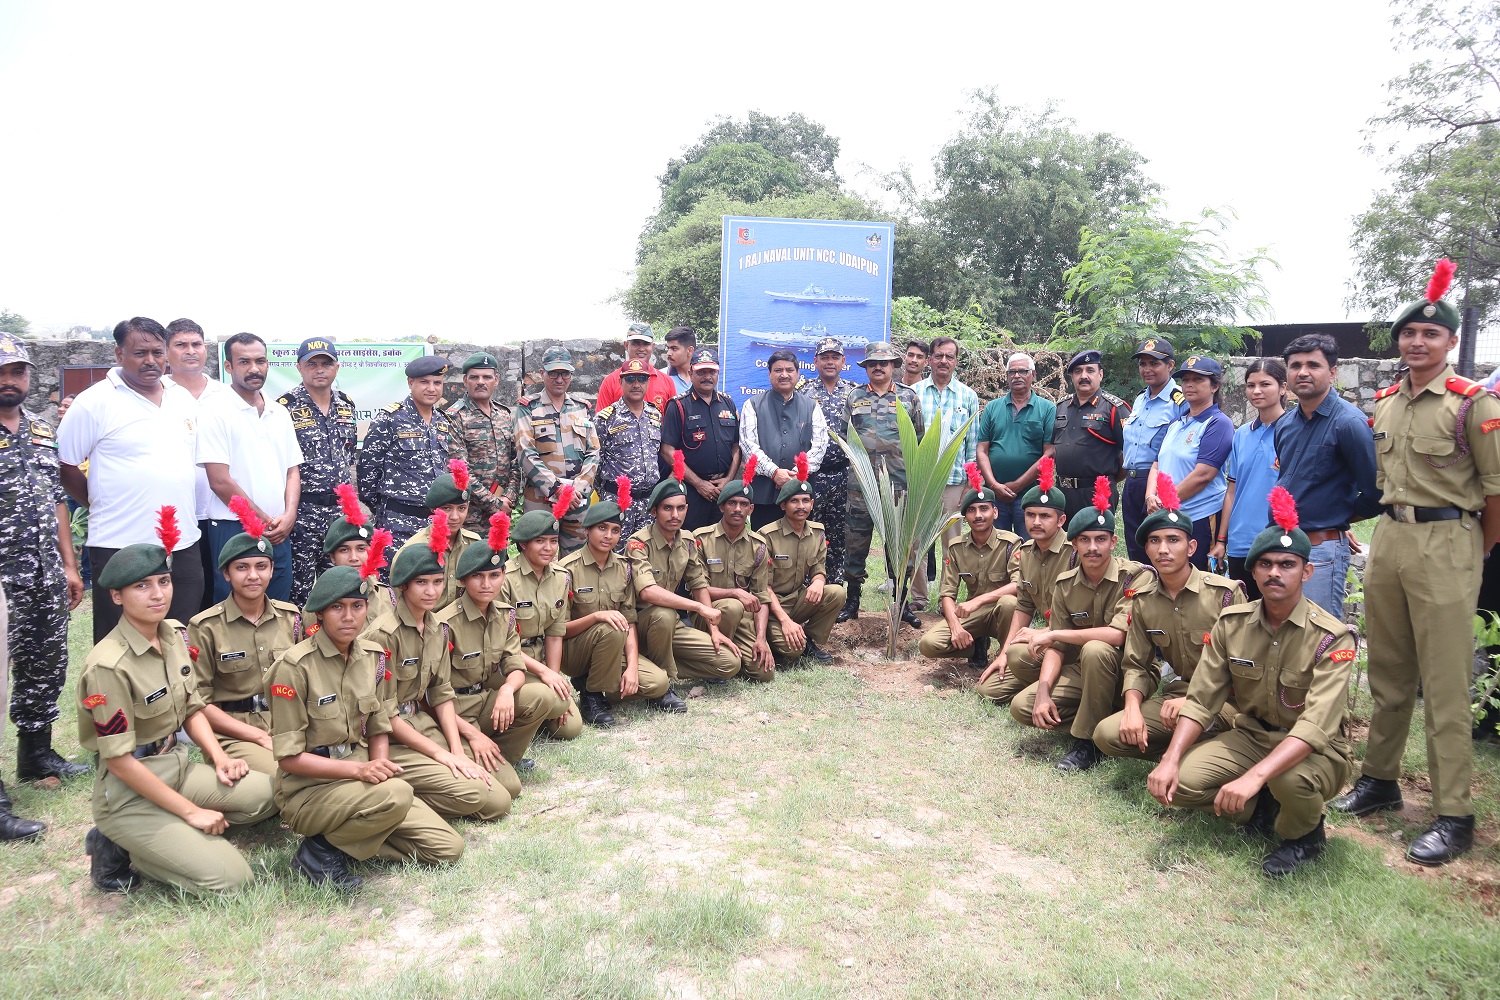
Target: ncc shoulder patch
x=1341 y=655
x=636 y=545
x=1490 y=425
x=94 y=701
x=283 y=691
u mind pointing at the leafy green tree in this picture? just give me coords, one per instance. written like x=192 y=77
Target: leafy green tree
x=15 y=323
x=741 y=171
x=1456 y=87
x=795 y=137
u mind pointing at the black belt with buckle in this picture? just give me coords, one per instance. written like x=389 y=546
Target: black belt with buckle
x=1138 y=473
x=1422 y=515
x=335 y=751
x=401 y=507
x=1067 y=484
x=155 y=748
x=471 y=689
x=533 y=641
x=1268 y=727
x=320 y=496
x=254 y=703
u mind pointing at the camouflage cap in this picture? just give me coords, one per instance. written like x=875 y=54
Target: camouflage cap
x=640 y=331
x=13 y=351
x=829 y=345
x=557 y=359
x=336 y=584
x=879 y=351
x=133 y=564
x=481 y=359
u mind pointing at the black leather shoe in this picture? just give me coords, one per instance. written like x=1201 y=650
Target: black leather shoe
x=669 y=702
x=526 y=764
x=35 y=758
x=713 y=681
x=578 y=682
x=594 y=708
x=1293 y=854
x=1444 y=840
x=13 y=827
x=909 y=616
x=1263 y=821
x=1369 y=795
x=1083 y=756
x=979 y=654
x=109 y=864
x=321 y=863
x=850 y=610
x=812 y=652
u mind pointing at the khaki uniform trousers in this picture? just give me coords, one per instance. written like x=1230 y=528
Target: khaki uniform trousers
x=816 y=619
x=1021 y=671
x=1302 y=790
x=450 y=796
x=681 y=650
x=1107 y=733
x=1421 y=587
x=739 y=625
x=532 y=709
x=164 y=847
x=1087 y=691
x=598 y=655
x=365 y=821
x=990 y=622
x=258 y=757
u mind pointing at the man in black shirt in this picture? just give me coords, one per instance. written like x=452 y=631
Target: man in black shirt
x=704 y=425
x=1088 y=434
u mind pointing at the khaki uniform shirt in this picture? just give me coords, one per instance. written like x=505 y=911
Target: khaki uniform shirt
x=320 y=699
x=541 y=603
x=482 y=647
x=234 y=657
x=1423 y=458
x=130 y=695
x=1176 y=629
x=741 y=564
x=1035 y=570
x=1078 y=604
x=1292 y=680
x=795 y=559
x=669 y=565
x=612 y=588
x=418 y=661
x=458 y=540
x=981 y=568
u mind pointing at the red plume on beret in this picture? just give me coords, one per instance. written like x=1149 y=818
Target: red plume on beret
x=349 y=503
x=375 y=557
x=750 y=465
x=460 y=470
x=166 y=528
x=802 y=466
x=1046 y=474
x=1103 y=501
x=1166 y=492
x=679 y=465
x=622 y=492
x=500 y=530
x=1442 y=277
x=1283 y=509
x=442 y=534
x=249 y=520
x=971 y=469
x=564 y=502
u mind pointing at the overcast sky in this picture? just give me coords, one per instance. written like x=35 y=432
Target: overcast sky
x=481 y=171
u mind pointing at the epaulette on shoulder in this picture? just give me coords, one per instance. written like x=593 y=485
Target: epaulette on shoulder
x=1463 y=386
x=1325 y=621
x=391 y=407
x=110 y=651
x=1248 y=607
x=580 y=399
x=341 y=394
x=608 y=411
x=816 y=524
x=1110 y=397
x=522 y=401
x=370 y=645
x=1178 y=397
x=285 y=399
x=1222 y=582
x=207 y=613
x=458 y=405
x=958 y=539
x=447 y=611
x=1067 y=574
x=1389 y=390
x=284 y=605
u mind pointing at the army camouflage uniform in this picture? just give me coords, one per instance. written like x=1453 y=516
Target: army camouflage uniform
x=1290 y=682
x=553 y=445
x=418 y=681
x=1174 y=629
x=741 y=564
x=232 y=658
x=132 y=700
x=328 y=443
x=458 y=540
x=1034 y=571
x=325 y=704
x=629 y=446
x=597 y=654
x=795 y=560
x=830 y=484
x=31 y=570
x=401 y=457
x=873 y=417
x=676 y=567
x=488 y=444
x=981 y=569
x=541 y=606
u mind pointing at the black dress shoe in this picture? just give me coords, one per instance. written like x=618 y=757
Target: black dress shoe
x=35 y=758
x=13 y=827
x=814 y=653
x=594 y=708
x=1444 y=840
x=909 y=616
x=1263 y=821
x=1083 y=756
x=714 y=681
x=979 y=654
x=526 y=764
x=1293 y=854
x=321 y=863
x=669 y=702
x=1369 y=795
x=109 y=864
x=850 y=610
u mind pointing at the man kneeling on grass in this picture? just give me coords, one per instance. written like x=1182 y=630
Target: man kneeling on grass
x=803 y=604
x=1285 y=663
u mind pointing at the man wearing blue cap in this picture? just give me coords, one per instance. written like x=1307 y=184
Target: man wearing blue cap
x=406 y=448
x=1088 y=433
x=1154 y=409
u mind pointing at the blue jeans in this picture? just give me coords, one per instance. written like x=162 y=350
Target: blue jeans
x=280 y=587
x=1330 y=572
x=1012 y=516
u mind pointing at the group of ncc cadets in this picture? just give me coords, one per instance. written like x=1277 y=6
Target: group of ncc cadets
x=404 y=691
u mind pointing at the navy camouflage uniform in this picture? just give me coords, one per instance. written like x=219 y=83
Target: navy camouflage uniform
x=328 y=441
x=402 y=455
x=488 y=444
x=629 y=446
x=830 y=484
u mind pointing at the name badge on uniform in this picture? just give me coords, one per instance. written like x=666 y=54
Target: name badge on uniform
x=1243 y=663
x=964 y=573
x=470 y=656
x=1078 y=614
x=716 y=562
x=1027 y=584
x=225 y=657
x=1380 y=435
x=410 y=660
x=584 y=590
x=328 y=699
x=1155 y=631
x=156 y=695
x=523 y=604
x=559 y=603
x=781 y=555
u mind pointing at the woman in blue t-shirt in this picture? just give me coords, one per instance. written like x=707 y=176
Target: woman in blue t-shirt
x=1194 y=451
x=1251 y=471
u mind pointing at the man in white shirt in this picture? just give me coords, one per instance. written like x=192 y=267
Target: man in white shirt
x=187 y=358
x=136 y=431
x=248 y=447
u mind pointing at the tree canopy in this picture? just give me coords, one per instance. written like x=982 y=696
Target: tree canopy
x=15 y=323
x=796 y=138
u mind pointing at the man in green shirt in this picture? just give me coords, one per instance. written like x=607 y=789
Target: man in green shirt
x=1015 y=431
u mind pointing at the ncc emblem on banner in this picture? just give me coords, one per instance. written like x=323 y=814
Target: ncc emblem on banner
x=744 y=235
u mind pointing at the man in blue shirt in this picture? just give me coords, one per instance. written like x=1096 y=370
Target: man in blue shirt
x=1326 y=454
x=1153 y=411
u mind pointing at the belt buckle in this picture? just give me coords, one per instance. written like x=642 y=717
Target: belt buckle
x=406 y=709
x=1404 y=513
x=258 y=703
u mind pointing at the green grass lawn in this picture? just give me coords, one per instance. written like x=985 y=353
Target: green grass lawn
x=807 y=838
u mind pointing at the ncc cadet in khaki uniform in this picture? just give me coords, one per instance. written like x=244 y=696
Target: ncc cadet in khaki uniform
x=1033 y=569
x=803 y=603
x=234 y=643
x=1079 y=682
x=981 y=561
x=450 y=494
x=484 y=435
x=153 y=807
x=336 y=785
x=1284 y=662
x=348 y=542
x=1170 y=619
x=738 y=563
x=498 y=712
x=557 y=445
x=1437 y=457
x=601 y=649
x=419 y=694
x=538 y=590
x=666 y=562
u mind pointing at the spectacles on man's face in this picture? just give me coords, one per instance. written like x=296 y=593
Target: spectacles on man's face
x=1018 y=371
x=879 y=364
x=634 y=379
